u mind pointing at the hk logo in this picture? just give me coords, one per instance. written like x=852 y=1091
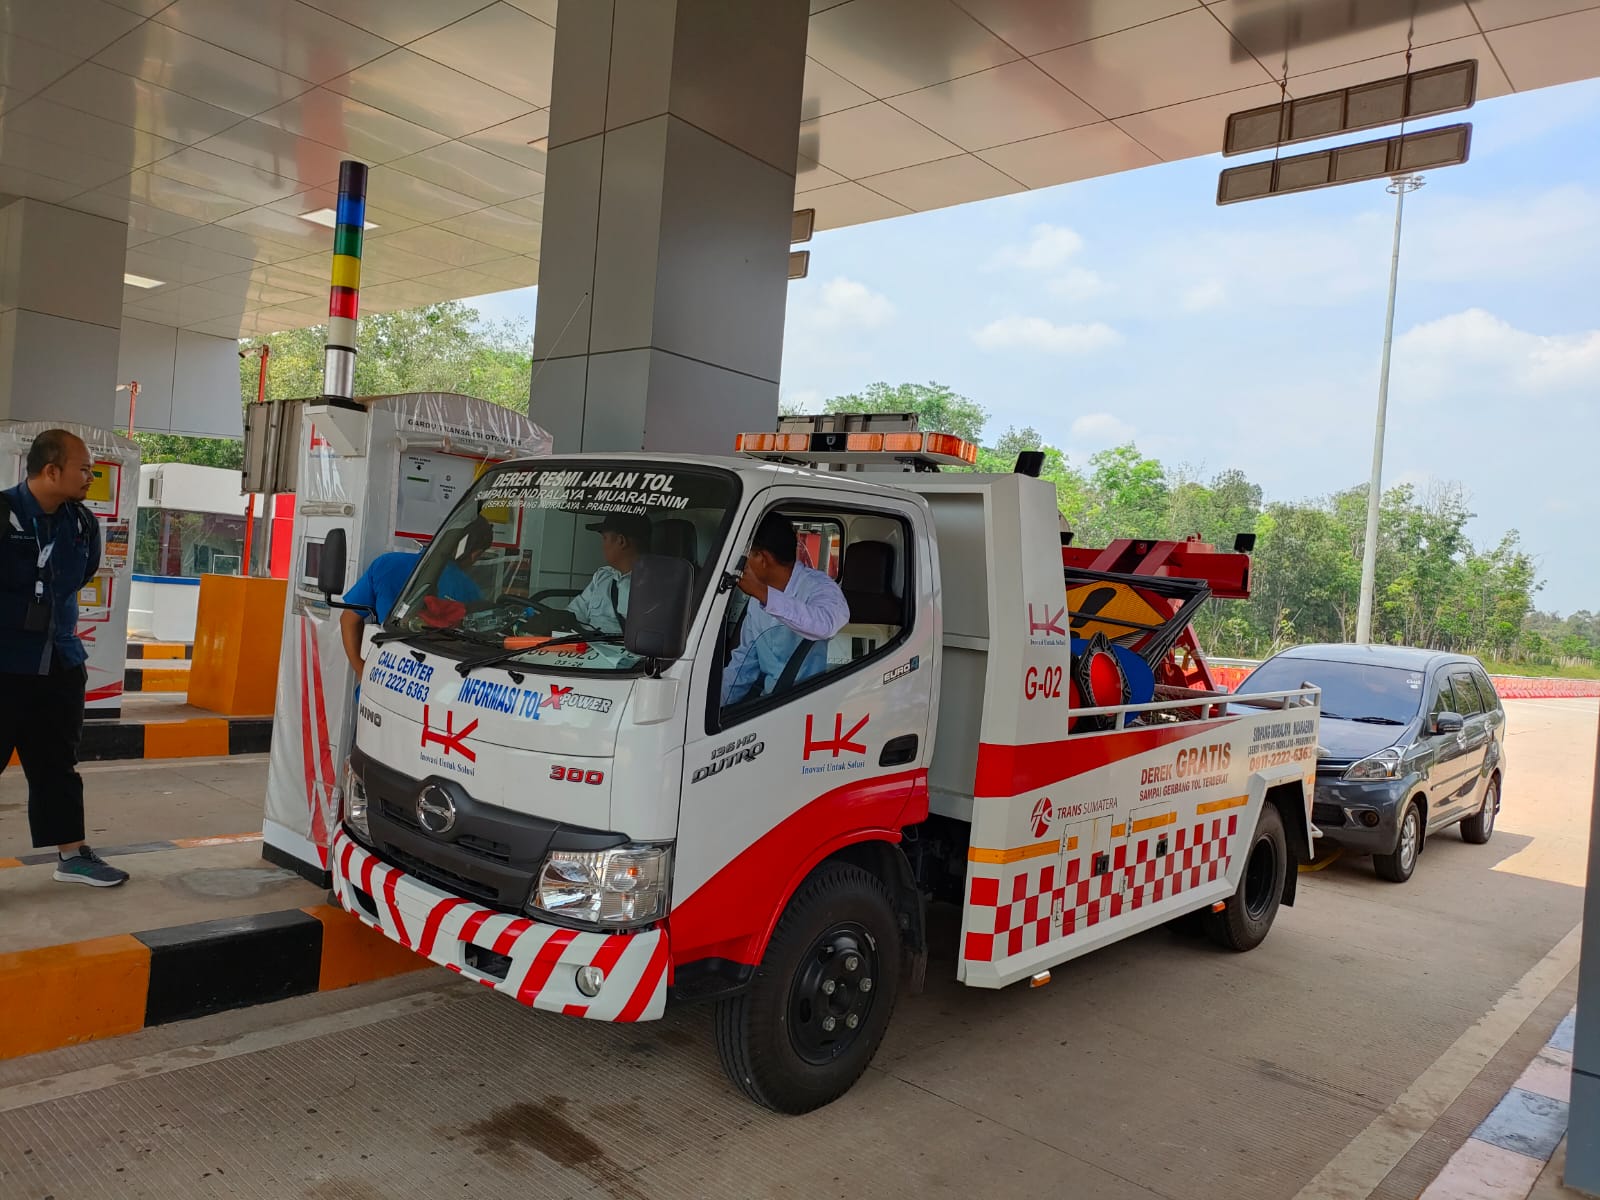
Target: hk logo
x=553 y=700
x=1042 y=813
x=1050 y=625
x=843 y=742
x=447 y=738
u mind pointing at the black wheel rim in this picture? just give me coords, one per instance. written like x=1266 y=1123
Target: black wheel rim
x=1260 y=879
x=834 y=989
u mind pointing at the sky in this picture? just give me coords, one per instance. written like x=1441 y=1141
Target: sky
x=1133 y=308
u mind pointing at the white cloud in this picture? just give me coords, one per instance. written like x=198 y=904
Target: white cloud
x=1204 y=296
x=1049 y=248
x=846 y=304
x=1036 y=333
x=1079 y=283
x=1478 y=348
x=1101 y=429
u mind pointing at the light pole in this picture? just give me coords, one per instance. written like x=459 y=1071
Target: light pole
x=1398 y=186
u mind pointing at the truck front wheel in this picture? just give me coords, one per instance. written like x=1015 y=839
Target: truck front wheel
x=1245 y=918
x=809 y=1023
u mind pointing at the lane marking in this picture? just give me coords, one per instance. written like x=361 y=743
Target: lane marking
x=1325 y=863
x=147 y=1066
x=1357 y=1170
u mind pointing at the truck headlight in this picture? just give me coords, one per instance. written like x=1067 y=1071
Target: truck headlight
x=355 y=805
x=617 y=888
x=1385 y=764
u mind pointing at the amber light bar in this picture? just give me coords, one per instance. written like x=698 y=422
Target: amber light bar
x=858 y=447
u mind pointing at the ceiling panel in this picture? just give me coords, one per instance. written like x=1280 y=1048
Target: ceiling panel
x=142 y=221
x=224 y=327
x=809 y=175
x=1075 y=154
x=88 y=134
x=383 y=261
x=1165 y=62
x=514 y=139
x=314 y=199
x=1004 y=104
x=172 y=196
x=399 y=21
x=14 y=181
x=77 y=28
x=461 y=282
x=849 y=204
x=545 y=10
x=1555 y=50
x=1492 y=80
x=1032 y=27
x=114 y=96
x=473 y=172
x=54 y=160
x=271 y=226
x=162 y=55
x=500 y=228
x=351 y=127
x=201 y=169
x=429 y=94
x=29 y=66
x=872 y=138
x=421 y=201
x=501 y=46
x=257 y=292
x=1495 y=14
x=824 y=92
x=239 y=243
x=940 y=184
x=894 y=46
x=404 y=293
x=1185 y=130
x=266 y=148
x=1317 y=37
x=284 y=34
x=441 y=245
x=517 y=270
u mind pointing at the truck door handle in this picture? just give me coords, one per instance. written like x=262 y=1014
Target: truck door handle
x=899 y=751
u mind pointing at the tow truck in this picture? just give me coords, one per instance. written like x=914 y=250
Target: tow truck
x=584 y=822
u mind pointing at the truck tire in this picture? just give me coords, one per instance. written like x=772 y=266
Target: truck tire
x=809 y=1023
x=1247 y=915
x=1398 y=866
x=1479 y=827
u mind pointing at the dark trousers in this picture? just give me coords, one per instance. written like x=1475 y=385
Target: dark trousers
x=41 y=718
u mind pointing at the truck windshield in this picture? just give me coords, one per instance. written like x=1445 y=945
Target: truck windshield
x=537 y=554
x=1350 y=691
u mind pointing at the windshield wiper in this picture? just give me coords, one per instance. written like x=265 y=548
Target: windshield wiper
x=1375 y=720
x=468 y=665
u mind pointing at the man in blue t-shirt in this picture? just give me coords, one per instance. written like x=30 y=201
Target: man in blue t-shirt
x=376 y=592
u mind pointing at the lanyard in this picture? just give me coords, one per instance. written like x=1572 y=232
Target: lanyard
x=46 y=549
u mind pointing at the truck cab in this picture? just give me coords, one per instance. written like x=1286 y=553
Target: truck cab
x=709 y=805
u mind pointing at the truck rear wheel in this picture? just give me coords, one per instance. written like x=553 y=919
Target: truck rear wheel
x=1248 y=914
x=809 y=1023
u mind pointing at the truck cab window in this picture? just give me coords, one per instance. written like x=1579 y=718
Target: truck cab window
x=861 y=559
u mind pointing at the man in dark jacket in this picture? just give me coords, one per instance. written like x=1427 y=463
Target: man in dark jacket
x=49 y=549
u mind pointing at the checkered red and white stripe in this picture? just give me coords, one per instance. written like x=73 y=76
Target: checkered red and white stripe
x=544 y=958
x=1063 y=897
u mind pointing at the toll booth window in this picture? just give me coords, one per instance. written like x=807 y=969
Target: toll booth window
x=853 y=575
x=542 y=559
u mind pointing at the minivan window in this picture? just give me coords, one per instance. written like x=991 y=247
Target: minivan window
x=1350 y=691
x=1471 y=704
x=1491 y=698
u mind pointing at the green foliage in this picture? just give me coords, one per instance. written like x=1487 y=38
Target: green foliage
x=1434 y=587
x=198 y=451
x=437 y=348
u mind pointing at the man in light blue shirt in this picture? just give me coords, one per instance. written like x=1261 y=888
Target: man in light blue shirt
x=789 y=604
x=603 y=603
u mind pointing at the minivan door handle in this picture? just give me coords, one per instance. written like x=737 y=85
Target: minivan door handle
x=899 y=751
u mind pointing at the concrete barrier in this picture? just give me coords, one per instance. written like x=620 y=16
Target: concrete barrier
x=1510 y=687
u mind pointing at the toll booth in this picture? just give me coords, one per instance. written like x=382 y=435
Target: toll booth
x=113 y=499
x=387 y=475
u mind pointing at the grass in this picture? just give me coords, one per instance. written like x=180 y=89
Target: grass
x=1540 y=670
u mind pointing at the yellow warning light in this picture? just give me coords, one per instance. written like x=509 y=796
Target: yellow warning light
x=1039 y=980
x=872 y=443
x=903 y=443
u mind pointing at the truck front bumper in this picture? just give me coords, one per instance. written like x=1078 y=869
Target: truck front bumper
x=534 y=963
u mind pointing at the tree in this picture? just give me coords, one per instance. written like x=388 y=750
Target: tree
x=941 y=409
x=200 y=451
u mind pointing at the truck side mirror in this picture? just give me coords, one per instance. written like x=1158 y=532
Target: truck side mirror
x=1448 y=722
x=660 y=602
x=331 y=564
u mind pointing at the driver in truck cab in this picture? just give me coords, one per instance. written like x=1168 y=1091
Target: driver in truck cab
x=790 y=604
x=604 y=602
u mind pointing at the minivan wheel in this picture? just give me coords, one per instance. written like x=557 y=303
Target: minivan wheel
x=1398 y=866
x=1479 y=827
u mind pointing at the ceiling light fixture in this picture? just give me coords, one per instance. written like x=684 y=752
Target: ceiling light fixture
x=327 y=217
x=142 y=281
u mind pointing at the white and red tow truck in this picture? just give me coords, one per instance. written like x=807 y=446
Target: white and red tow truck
x=579 y=821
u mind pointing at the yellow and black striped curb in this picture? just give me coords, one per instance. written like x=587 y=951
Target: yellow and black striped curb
x=193 y=737
x=59 y=996
x=167 y=650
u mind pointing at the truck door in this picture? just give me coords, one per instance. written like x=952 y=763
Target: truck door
x=796 y=748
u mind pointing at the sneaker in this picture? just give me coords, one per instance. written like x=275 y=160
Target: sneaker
x=88 y=867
